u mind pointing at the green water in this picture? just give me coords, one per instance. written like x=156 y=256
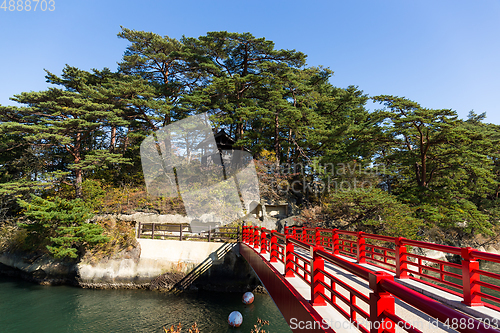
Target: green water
x=30 y=308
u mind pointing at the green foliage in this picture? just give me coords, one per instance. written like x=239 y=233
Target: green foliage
x=81 y=137
x=93 y=193
x=375 y=211
x=438 y=164
x=61 y=226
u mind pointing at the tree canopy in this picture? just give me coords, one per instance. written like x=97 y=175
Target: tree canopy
x=316 y=143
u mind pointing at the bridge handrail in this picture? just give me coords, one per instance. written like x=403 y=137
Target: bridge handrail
x=395 y=257
x=432 y=246
x=302 y=244
x=278 y=234
x=382 y=284
x=357 y=270
x=485 y=256
x=434 y=308
x=470 y=287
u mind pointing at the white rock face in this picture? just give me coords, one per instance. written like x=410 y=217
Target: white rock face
x=43 y=263
x=157 y=257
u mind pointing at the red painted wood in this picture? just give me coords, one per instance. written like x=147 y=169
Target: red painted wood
x=381 y=301
x=382 y=309
x=470 y=277
x=317 y=278
x=399 y=263
x=401 y=259
x=274 y=247
x=291 y=304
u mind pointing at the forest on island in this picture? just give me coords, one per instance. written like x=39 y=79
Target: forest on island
x=72 y=151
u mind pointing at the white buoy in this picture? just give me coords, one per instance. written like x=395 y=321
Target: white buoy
x=235 y=319
x=248 y=298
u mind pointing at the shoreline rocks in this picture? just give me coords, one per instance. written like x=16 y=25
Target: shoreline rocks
x=156 y=265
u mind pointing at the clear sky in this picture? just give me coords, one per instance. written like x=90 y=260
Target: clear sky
x=439 y=53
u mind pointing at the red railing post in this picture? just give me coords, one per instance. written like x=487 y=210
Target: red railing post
x=317 y=237
x=250 y=235
x=294 y=232
x=256 y=238
x=274 y=247
x=304 y=235
x=285 y=230
x=289 y=257
x=263 y=239
x=470 y=277
x=380 y=301
x=244 y=236
x=317 y=276
x=335 y=242
x=361 y=248
x=401 y=259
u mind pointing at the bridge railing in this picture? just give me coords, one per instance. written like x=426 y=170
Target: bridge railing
x=464 y=279
x=381 y=316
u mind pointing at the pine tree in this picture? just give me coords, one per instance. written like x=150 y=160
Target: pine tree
x=235 y=69
x=66 y=120
x=160 y=61
x=61 y=226
x=435 y=165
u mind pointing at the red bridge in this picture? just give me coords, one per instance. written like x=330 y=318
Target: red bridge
x=325 y=280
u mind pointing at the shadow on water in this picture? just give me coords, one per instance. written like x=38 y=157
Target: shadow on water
x=26 y=307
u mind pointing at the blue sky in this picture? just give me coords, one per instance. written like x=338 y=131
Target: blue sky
x=441 y=54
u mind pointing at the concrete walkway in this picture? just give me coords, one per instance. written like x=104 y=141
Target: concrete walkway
x=418 y=319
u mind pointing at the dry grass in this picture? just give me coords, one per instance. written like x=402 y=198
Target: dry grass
x=126 y=200
x=122 y=241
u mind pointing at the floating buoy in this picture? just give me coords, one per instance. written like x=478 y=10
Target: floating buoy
x=248 y=298
x=235 y=319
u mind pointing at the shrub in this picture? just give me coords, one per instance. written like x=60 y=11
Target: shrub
x=373 y=210
x=61 y=226
x=11 y=238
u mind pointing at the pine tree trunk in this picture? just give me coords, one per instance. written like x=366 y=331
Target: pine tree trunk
x=239 y=129
x=78 y=171
x=113 y=139
x=276 y=138
x=289 y=153
x=78 y=183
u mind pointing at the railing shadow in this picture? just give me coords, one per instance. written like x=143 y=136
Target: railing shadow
x=203 y=267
